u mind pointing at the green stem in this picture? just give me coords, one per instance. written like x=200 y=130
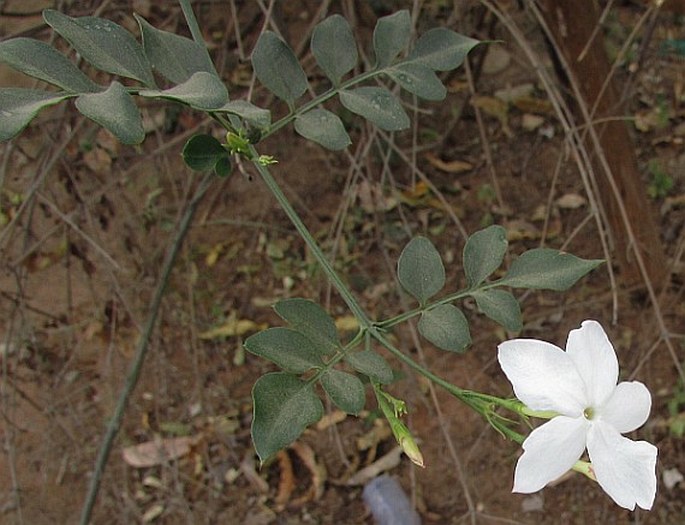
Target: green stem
x=194 y=27
x=275 y=189
x=320 y=99
x=323 y=97
x=398 y=319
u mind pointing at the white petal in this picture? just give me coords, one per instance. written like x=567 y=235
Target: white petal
x=625 y=469
x=628 y=407
x=549 y=451
x=595 y=358
x=543 y=376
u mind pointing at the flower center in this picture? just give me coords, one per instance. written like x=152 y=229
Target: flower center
x=589 y=413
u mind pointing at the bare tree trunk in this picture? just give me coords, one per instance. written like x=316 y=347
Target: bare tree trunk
x=572 y=24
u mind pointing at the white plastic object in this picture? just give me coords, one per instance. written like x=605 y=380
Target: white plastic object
x=388 y=503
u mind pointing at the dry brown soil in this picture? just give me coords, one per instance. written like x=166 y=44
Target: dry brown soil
x=91 y=220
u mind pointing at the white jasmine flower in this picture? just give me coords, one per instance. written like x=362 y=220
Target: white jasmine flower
x=580 y=384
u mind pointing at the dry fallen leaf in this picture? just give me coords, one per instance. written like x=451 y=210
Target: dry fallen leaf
x=452 y=166
x=385 y=463
x=152 y=453
x=213 y=256
x=497 y=59
x=154 y=512
x=534 y=105
x=316 y=470
x=333 y=418
x=379 y=432
x=530 y=122
x=372 y=197
x=646 y=120
x=494 y=107
x=571 y=201
x=416 y=192
x=286 y=481
x=347 y=323
x=510 y=93
x=519 y=230
x=233 y=327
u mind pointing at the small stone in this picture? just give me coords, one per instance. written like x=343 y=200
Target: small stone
x=672 y=477
x=534 y=503
x=531 y=122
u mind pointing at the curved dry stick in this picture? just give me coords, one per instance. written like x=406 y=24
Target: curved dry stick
x=141 y=350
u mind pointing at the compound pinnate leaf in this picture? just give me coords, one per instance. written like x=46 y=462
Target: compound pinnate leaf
x=283 y=407
x=370 y=363
x=39 y=60
x=106 y=45
x=377 y=105
x=446 y=327
x=334 y=47
x=114 y=110
x=202 y=90
x=18 y=106
x=500 y=306
x=441 y=49
x=175 y=57
x=324 y=128
x=204 y=152
x=419 y=80
x=547 y=269
x=390 y=36
x=483 y=254
x=345 y=390
x=276 y=67
x=289 y=349
x=309 y=318
x=420 y=269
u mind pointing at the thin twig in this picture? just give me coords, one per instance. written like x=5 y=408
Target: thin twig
x=578 y=150
x=664 y=333
x=424 y=178
x=141 y=350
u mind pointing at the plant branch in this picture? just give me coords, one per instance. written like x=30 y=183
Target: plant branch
x=405 y=316
x=481 y=403
x=320 y=99
x=275 y=189
x=194 y=27
x=141 y=350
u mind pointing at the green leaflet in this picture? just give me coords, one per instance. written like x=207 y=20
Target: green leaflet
x=483 y=254
x=324 y=128
x=420 y=269
x=39 y=60
x=548 y=269
x=276 y=67
x=378 y=105
x=283 y=407
x=334 y=47
x=106 y=45
x=446 y=327
x=114 y=110
x=19 y=106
